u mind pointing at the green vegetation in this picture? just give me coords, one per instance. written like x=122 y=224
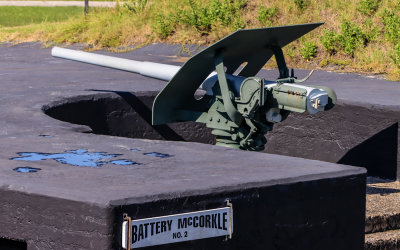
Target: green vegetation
x=360 y=35
x=163 y=26
x=17 y=16
x=309 y=50
x=331 y=41
x=301 y=4
x=368 y=7
x=351 y=38
x=396 y=55
x=266 y=15
x=391 y=20
x=205 y=17
x=136 y=6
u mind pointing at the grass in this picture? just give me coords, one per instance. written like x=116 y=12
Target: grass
x=358 y=35
x=11 y=16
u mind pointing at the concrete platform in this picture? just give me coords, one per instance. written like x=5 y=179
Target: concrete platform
x=85 y=182
x=362 y=130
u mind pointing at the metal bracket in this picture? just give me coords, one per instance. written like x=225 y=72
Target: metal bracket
x=128 y=219
x=294 y=79
x=283 y=69
x=229 y=204
x=280 y=60
x=253 y=130
x=230 y=108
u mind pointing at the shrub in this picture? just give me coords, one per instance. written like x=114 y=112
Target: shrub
x=371 y=31
x=163 y=26
x=351 y=38
x=136 y=6
x=368 y=7
x=396 y=55
x=331 y=41
x=203 y=17
x=301 y=4
x=309 y=50
x=227 y=11
x=265 y=15
x=391 y=21
x=238 y=23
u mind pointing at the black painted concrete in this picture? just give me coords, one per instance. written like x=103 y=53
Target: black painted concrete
x=353 y=134
x=279 y=202
x=360 y=131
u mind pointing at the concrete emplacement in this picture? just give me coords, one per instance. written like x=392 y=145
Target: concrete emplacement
x=279 y=202
x=381 y=163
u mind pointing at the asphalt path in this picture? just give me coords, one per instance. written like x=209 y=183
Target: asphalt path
x=57 y=3
x=351 y=87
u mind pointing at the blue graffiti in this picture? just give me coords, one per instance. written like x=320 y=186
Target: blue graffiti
x=79 y=157
x=26 y=169
x=156 y=154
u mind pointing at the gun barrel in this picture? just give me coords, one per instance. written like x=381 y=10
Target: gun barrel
x=155 y=70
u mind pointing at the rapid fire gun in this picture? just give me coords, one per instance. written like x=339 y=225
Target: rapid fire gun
x=239 y=107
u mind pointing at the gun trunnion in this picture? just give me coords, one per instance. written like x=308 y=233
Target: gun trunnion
x=240 y=108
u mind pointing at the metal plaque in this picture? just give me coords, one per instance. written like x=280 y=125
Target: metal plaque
x=177 y=228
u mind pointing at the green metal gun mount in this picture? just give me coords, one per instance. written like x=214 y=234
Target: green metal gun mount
x=238 y=106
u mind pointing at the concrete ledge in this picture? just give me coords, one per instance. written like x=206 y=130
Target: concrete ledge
x=278 y=201
x=268 y=217
x=352 y=134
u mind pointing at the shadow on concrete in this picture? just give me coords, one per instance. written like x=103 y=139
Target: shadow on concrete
x=377 y=180
x=378 y=154
x=6 y=244
x=146 y=113
x=120 y=113
x=381 y=191
x=126 y=114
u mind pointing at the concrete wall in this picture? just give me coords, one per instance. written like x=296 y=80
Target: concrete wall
x=38 y=222
x=306 y=215
x=353 y=134
x=326 y=213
